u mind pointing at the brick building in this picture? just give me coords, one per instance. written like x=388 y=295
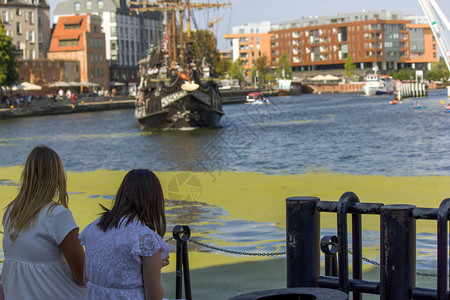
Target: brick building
x=44 y=71
x=80 y=38
x=372 y=38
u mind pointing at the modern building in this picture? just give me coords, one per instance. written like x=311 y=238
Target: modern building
x=128 y=34
x=28 y=23
x=80 y=38
x=249 y=42
x=382 y=39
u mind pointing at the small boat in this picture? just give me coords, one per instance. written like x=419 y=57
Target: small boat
x=378 y=84
x=257 y=98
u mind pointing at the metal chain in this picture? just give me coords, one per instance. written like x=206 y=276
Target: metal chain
x=237 y=252
x=373 y=262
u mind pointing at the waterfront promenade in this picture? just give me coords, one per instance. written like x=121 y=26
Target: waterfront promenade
x=50 y=107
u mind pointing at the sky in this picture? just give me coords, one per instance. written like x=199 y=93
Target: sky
x=254 y=11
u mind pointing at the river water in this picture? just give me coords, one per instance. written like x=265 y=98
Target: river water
x=333 y=133
x=345 y=133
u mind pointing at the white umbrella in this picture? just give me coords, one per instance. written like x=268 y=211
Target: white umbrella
x=116 y=83
x=318 y=78
x=59 y=84
x=26 y=86
x=331 y=77
x=89 y=84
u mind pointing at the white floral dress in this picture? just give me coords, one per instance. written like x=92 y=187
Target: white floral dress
x=113 y=259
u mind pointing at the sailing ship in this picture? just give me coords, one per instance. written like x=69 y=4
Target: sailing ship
x=177 y=90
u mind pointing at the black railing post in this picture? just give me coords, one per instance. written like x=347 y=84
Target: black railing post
x=344 y=284
x=181 y=234
x=302 y=241
x=442 y=241
x=398 y=251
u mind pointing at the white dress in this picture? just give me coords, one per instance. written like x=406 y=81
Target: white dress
x=113 y=259
x=34 y=266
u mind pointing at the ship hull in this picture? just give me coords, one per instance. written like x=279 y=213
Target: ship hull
x=182 y=110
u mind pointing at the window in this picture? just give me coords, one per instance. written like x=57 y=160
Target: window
x=113 y=31
x=31 y=36
x=5 y=16
x=77 y=6
x=112 y=17
x=96 y=28
x=72 y=26
x=31 y=17
x=40 y=18
x=89 y=5
x=18 y=12
x=100 y=4
x=18 y=27
x=434 y=54
x=41 y=39
x=67 y=43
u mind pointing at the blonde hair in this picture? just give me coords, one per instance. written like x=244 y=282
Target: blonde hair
x=42 y=180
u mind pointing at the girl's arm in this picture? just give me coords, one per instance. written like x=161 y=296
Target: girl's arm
x=151 y=273
x=74 y=254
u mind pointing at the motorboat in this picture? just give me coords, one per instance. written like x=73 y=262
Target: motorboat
x=378 y=84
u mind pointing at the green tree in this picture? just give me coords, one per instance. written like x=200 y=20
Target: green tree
x=222 y=67
x=349 y=67
x=236 y=70
x=439 y=71
x=204 y=44
x=262 y=66
x=404 y=74
x=283 y=63
x=9 y=70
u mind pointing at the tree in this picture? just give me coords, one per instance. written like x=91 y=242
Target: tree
x=283 y=63
x=204 y=44
x=9 y=70
x=439 y=71
x=404 y=74
x=236 y=70
x=222 y=67
x=262 y=66
x=349 y=67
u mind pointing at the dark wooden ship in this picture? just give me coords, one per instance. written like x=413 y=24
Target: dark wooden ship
x=177 y=90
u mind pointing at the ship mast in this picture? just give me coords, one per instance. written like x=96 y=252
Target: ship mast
x=175 y=37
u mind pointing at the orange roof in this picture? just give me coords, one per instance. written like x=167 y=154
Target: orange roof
x=73 y=20
x=60 y=33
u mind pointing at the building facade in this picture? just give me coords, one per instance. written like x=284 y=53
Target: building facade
x=28 y=23
x=249 y=42
x=382 y=39
x=128 y=35
x=80 y=38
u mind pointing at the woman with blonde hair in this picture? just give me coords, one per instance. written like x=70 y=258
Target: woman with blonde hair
x=125 y=250
x=43 y=255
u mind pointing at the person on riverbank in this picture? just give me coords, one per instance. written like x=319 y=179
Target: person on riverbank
x=125 y=250
x=43 y=255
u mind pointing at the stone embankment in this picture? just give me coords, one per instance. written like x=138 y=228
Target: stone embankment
x=42 y=107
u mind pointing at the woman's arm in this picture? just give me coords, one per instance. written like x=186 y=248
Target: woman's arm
x=74 y=254
x=151 y=273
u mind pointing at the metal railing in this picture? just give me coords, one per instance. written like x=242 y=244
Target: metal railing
x=397 y=247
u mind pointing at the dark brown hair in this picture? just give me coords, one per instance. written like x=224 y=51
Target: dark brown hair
x=139 y=197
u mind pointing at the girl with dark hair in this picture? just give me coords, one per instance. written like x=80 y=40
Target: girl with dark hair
x=125 y=250
x=43 y=255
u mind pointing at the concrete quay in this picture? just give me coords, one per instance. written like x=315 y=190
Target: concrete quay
x=57 y=108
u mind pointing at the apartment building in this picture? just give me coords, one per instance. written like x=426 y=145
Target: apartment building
x=249 y=42
x=128 y=35
x=80 y=38
x=28 y=23
x=387 y=40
